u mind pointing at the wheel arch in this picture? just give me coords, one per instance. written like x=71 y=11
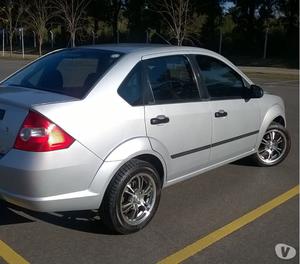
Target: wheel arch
x=156 y=163
x=137 y=148
x=274 y=114
x=280 y=120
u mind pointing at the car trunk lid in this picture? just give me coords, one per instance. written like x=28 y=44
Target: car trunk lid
x=15 y=103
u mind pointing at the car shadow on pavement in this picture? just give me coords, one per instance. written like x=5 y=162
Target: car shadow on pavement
x=9 y=217
x=85 y=221
x=245 y=162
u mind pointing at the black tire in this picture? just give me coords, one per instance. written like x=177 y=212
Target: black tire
x=111 y=212
x=281 y=131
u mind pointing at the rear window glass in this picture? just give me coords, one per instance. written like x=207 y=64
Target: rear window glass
x=72 y=72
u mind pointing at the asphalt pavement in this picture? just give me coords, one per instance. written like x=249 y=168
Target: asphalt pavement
x=188 y=212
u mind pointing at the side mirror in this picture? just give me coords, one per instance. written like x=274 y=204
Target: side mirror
x=256 y=91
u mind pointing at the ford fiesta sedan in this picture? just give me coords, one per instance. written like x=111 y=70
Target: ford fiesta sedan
x=107 y=127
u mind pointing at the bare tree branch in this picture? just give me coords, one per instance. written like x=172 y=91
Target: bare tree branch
x=176 y=15
x=71 y=12
x=39 y=14
x=12 y=12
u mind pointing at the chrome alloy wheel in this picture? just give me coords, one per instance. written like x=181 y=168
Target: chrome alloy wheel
x=138 y=199
x=272 y=146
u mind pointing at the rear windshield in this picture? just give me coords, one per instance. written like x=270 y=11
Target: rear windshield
x=71 y=72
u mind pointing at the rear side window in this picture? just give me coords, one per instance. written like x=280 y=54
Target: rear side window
x=131 y=89
x=221 y=81
x=171 y=80
x=71 y=72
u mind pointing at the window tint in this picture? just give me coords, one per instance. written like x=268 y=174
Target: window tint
x=77 y=72
x=171 y=80
x=131 y=89
x=71 y=71
x=221 y=81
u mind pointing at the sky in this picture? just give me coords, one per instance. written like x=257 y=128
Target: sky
x=227 y=5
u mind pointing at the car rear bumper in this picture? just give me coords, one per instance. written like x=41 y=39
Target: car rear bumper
x=83 y=200
x=50 y=181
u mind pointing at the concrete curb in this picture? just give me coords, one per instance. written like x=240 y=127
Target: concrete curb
x=269 y=70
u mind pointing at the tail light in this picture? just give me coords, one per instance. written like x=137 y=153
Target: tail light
x=38 y=134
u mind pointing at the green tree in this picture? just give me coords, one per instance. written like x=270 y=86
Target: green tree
x=212 y=10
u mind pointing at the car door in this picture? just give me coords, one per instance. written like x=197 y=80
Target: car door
x=235 y=117
x=178 y=123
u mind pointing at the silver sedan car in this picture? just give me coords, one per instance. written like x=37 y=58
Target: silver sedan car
x=107 y=127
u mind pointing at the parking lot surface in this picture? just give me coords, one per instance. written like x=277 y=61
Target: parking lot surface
x=188 y=212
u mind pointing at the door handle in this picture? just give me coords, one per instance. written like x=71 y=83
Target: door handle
x=220 y=113
x=160 y=119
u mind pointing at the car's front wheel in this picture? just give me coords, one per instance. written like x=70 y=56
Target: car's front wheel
x=132 y=197
x=274 y=147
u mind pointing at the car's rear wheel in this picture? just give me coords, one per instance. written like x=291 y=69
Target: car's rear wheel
x=132 y=197
x=274 y=147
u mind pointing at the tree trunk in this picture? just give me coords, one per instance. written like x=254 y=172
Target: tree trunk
x=10 y=43
x=178 y=38
x=115 y=28
x=73 y=37
x=96 y=26
x=115 y=19
x=40 y=45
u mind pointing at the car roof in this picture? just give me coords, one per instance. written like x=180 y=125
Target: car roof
x=144 y=49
